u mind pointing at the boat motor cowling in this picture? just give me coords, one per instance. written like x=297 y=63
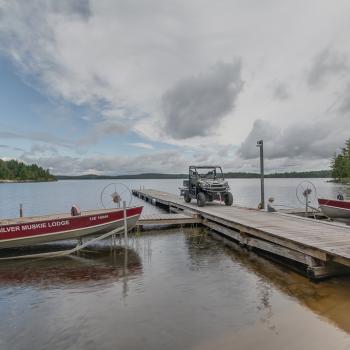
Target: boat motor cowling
x=75 y=210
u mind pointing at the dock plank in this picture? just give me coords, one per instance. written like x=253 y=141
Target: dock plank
x=167 y=219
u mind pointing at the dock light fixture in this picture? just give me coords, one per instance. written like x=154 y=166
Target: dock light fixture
x=260 y=144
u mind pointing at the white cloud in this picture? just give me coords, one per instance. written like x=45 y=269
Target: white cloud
x=114 y=165
x=102 y=130
x=141 y=145
x=7 y=147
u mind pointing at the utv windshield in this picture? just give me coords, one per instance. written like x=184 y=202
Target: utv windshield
x=212 y=173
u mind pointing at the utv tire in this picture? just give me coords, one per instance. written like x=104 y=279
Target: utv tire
x=187 y=198
x=200 y=199
x=228 y=199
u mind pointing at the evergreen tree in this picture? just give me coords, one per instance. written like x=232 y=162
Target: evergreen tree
x=340 y=164
x=14 y=170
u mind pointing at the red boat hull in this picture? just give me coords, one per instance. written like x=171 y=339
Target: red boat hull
x=23 y=232
x=335 y=208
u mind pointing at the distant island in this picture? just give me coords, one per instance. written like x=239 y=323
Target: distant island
x=229 y=175
x=14 y=171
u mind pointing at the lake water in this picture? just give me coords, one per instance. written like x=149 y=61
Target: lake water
x=172 y=289
x=50 y=197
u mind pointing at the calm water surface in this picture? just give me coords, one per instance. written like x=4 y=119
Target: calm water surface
x=174 y=289
x=42 y=198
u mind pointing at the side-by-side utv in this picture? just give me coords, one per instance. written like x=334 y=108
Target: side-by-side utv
x=205 y=184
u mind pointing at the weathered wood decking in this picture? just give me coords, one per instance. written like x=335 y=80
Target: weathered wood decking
x=323 y=247
x=167 y=219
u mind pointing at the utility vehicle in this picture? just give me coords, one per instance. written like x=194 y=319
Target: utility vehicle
x=205 y=184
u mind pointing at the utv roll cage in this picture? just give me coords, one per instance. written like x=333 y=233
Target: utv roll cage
x=212 y=174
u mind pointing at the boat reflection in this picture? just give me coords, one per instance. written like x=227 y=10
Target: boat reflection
x=99 y=266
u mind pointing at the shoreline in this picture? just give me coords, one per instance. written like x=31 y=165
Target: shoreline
x=24 y=181
x=184 y=178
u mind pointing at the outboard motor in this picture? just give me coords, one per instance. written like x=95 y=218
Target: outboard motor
x=75 y=210
x=340 y=197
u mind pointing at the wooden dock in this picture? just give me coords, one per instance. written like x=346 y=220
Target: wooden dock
x=167 y=219
x=323 y=248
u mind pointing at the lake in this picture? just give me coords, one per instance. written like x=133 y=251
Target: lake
x=170 y=289
x=50 y=197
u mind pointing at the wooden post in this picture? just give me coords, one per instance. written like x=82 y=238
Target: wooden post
x=125 y=224
x=114 y=241
x=21 y=210
x=260 y=144
x=307 y=202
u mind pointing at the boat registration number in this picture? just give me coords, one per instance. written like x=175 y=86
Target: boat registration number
x=99 y=217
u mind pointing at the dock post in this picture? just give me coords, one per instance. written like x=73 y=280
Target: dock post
x=114 y=241
x=79 y=243
x=260 y=144
x=21 y=210
x=125 y=224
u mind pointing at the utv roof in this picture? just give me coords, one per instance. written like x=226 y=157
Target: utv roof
x=205 y=166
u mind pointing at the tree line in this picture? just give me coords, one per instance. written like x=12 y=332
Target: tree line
x=229 y=175
x=340 y=164
x=18 y=171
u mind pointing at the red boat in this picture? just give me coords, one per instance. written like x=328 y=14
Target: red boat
x=335 y=208
x=42 y=229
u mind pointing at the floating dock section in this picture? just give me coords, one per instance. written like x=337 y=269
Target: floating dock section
x=167 y=219
x=322 y=248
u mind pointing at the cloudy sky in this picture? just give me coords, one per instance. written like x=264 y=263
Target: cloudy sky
x=125 y=86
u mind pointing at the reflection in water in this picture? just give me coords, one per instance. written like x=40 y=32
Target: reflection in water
x=329 y=298
x=202 y=250
x=125 y=272
x=102 y=265
x=265 y=306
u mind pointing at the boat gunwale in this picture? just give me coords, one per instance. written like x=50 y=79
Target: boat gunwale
x=59 y=233
x=337 y=203
x=59 y=216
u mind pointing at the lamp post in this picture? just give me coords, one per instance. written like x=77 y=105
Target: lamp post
x=260 y=144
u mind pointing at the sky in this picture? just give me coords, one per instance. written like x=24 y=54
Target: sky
x=126 y=87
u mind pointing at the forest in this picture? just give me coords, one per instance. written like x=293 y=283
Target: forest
x=12 y=170
x=340 y=164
